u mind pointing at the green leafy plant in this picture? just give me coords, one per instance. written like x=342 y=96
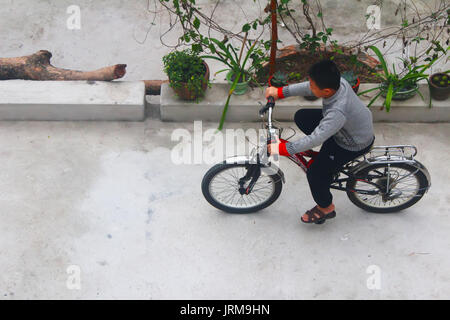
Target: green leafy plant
x=350 y=77
x=279 y=79
x=393 y=82
x=236 y=63
x=232 y=58
x=441 y=80
x=294 y=76
x=312 y=42
x=185 y=69
x=191 y=19
x=316 y=32
x=436 y=50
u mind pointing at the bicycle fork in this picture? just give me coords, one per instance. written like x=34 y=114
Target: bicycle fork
x=253 y=173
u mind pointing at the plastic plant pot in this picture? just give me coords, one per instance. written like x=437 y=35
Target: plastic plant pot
x=403 y=94
x=241 y=87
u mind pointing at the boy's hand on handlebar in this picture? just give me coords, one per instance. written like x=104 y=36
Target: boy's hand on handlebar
x=274 y=147
x=272 y=91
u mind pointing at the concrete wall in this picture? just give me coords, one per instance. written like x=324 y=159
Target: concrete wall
x=120 y=31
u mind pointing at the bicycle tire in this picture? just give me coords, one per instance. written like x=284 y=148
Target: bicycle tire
x=216 y=169
x=421 y=178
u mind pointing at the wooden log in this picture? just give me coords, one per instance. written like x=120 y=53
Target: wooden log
x=37 y=67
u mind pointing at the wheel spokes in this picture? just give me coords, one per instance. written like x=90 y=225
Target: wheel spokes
x=224 y=187
x=403 y=186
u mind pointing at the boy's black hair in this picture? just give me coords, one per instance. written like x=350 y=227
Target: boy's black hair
x=325 y=74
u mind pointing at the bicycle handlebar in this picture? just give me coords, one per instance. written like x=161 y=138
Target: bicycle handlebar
x=269 y=107
x=270 y=104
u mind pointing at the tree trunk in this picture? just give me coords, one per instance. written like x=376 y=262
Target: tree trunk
x=273 y=45
x=37 y=67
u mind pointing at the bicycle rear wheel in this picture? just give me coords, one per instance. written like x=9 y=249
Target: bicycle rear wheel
x=220 y=187
x=397 y=187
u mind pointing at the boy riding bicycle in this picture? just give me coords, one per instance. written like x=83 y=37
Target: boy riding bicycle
x=343 y=126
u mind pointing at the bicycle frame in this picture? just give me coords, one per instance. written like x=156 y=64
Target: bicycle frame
x=304 y=164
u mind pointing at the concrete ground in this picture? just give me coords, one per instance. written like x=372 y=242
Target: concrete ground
x=99 y=210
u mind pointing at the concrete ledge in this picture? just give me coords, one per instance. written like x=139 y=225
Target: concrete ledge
x=72 y=100
x=245 y=107
x=152 y=106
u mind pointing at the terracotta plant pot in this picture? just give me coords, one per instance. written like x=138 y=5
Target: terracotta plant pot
x=186 y=94
x=439 y=92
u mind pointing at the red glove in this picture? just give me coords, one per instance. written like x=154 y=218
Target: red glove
x=282 y=149
x=280 y=93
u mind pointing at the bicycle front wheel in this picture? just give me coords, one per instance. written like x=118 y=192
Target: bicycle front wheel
x=387 y=188
x=220 y=187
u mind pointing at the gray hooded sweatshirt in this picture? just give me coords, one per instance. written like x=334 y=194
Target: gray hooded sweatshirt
x=345 y=118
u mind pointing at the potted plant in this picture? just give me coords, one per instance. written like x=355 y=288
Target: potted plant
x=352 y=79
x=188 y=74
x=278 y=79
x=242 y=83
x=398 y=86
x=440 y=85
x=238 y=75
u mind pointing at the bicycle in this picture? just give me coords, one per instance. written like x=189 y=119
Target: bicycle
x=386 y=179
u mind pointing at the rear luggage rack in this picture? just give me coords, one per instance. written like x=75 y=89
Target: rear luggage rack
x=391 y=154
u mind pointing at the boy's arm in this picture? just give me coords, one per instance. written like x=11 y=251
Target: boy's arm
x=333 y=121
x=296 y=89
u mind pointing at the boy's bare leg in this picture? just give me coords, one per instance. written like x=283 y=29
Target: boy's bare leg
x=326 y=210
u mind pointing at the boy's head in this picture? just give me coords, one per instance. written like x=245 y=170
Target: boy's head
x=324 y=78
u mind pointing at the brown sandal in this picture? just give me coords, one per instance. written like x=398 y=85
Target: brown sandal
x=321 y=218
